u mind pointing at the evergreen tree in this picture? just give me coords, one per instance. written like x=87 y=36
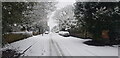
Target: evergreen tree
x=27 y=14
x=96 y=17
x=13 y=13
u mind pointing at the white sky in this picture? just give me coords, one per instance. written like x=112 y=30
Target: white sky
x=66 y=0
x=61 y=4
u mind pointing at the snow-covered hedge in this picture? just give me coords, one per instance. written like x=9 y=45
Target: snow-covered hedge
x=24 y=33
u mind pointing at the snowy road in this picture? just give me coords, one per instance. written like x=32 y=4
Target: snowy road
x=56 y=45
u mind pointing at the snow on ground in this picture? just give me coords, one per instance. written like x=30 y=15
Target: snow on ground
x=55 y=45
x=72 y=46
x=40 y=45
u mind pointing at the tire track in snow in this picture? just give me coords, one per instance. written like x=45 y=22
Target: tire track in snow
x=58 y=49
x=55 y=48
x=67 y=50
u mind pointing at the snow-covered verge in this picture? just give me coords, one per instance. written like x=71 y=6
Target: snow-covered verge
x=55 y=45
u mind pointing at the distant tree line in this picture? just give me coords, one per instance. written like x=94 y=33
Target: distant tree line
x=64 y=18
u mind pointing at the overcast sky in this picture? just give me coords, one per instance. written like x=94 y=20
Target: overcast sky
x=63 y=3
